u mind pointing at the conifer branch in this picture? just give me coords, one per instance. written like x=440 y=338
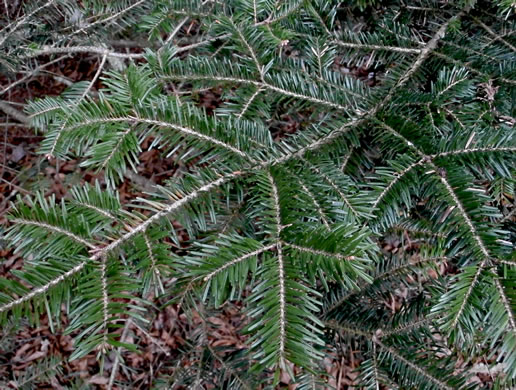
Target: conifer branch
x=348 y=329
x=316 y=204
x=281 y=269
x=478 y=240
x=96 y=209
x=193 y=133
x=152 y=258
x=509 y=216
x=271 y=20
x=255 y=12
x=451 y=85
x=508 y=262
x=249 y=48
x=397 y=177
x=108 y=19
x=464 y=215
x=50 y=154
x=325 y=139
x=346 y=160
x=361 y=46
x=468 y=293
x=393 y=352
x=471 y=69
x=505 y=302
x=105 y=302
x=55 y=229
x=375 y=367
x=396 y=354
x=495 y=36
x=450 y=112
x=423 y=55
x=238 y=260
x=248 y=103
x=171 y=208
x=260 y=85
x=15 y=25
x=407 y=326
x=409 y=265
x=333 y=185
x=100 y=252
x=116 y=148
x=31 y=74
x=181 y=129
x=418 y=231
x=406 y=141
x=487 y=149
x=285 y=68
x=317 y=252
x=43 y=289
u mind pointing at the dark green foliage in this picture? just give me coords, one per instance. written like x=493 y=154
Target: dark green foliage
x=420 y=149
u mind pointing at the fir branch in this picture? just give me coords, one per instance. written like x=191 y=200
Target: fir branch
x=32 y=73
x=41 y=290
x=487 y=149
x=478 y=240
x=332 y=324
x=333 y=185
x=153 y=263
x=249 y=48
x=507 y=262
x=55 y=229
x=423 y=55
x=50 y=154
x=361 y=46
x=105 y=302
x=396 y=354
x=393 y=352
x=495 y=36
x=505 y=302
x=402 y=228
x=181 y=129
x=110 y=18
x=317 y=252
x=192 y=133
x=238 y=260
x=142 y=227
x=509 y=216
x=375 y=367
x=411 y=325
x=316 y=204
x=409 y=143
x=397 y=177
x=15 y=25
x=464 y=215
x=260 y=85
x=471 y=69
x=281 y=269
x=346 y=160
x=409 y=265
x=271 y=20
x=248 y=103
x=325 y=140
x=116 y=148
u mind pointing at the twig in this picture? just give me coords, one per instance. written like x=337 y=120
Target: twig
x=11 y=111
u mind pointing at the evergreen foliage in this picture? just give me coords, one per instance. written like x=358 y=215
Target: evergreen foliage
x=292 y=225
